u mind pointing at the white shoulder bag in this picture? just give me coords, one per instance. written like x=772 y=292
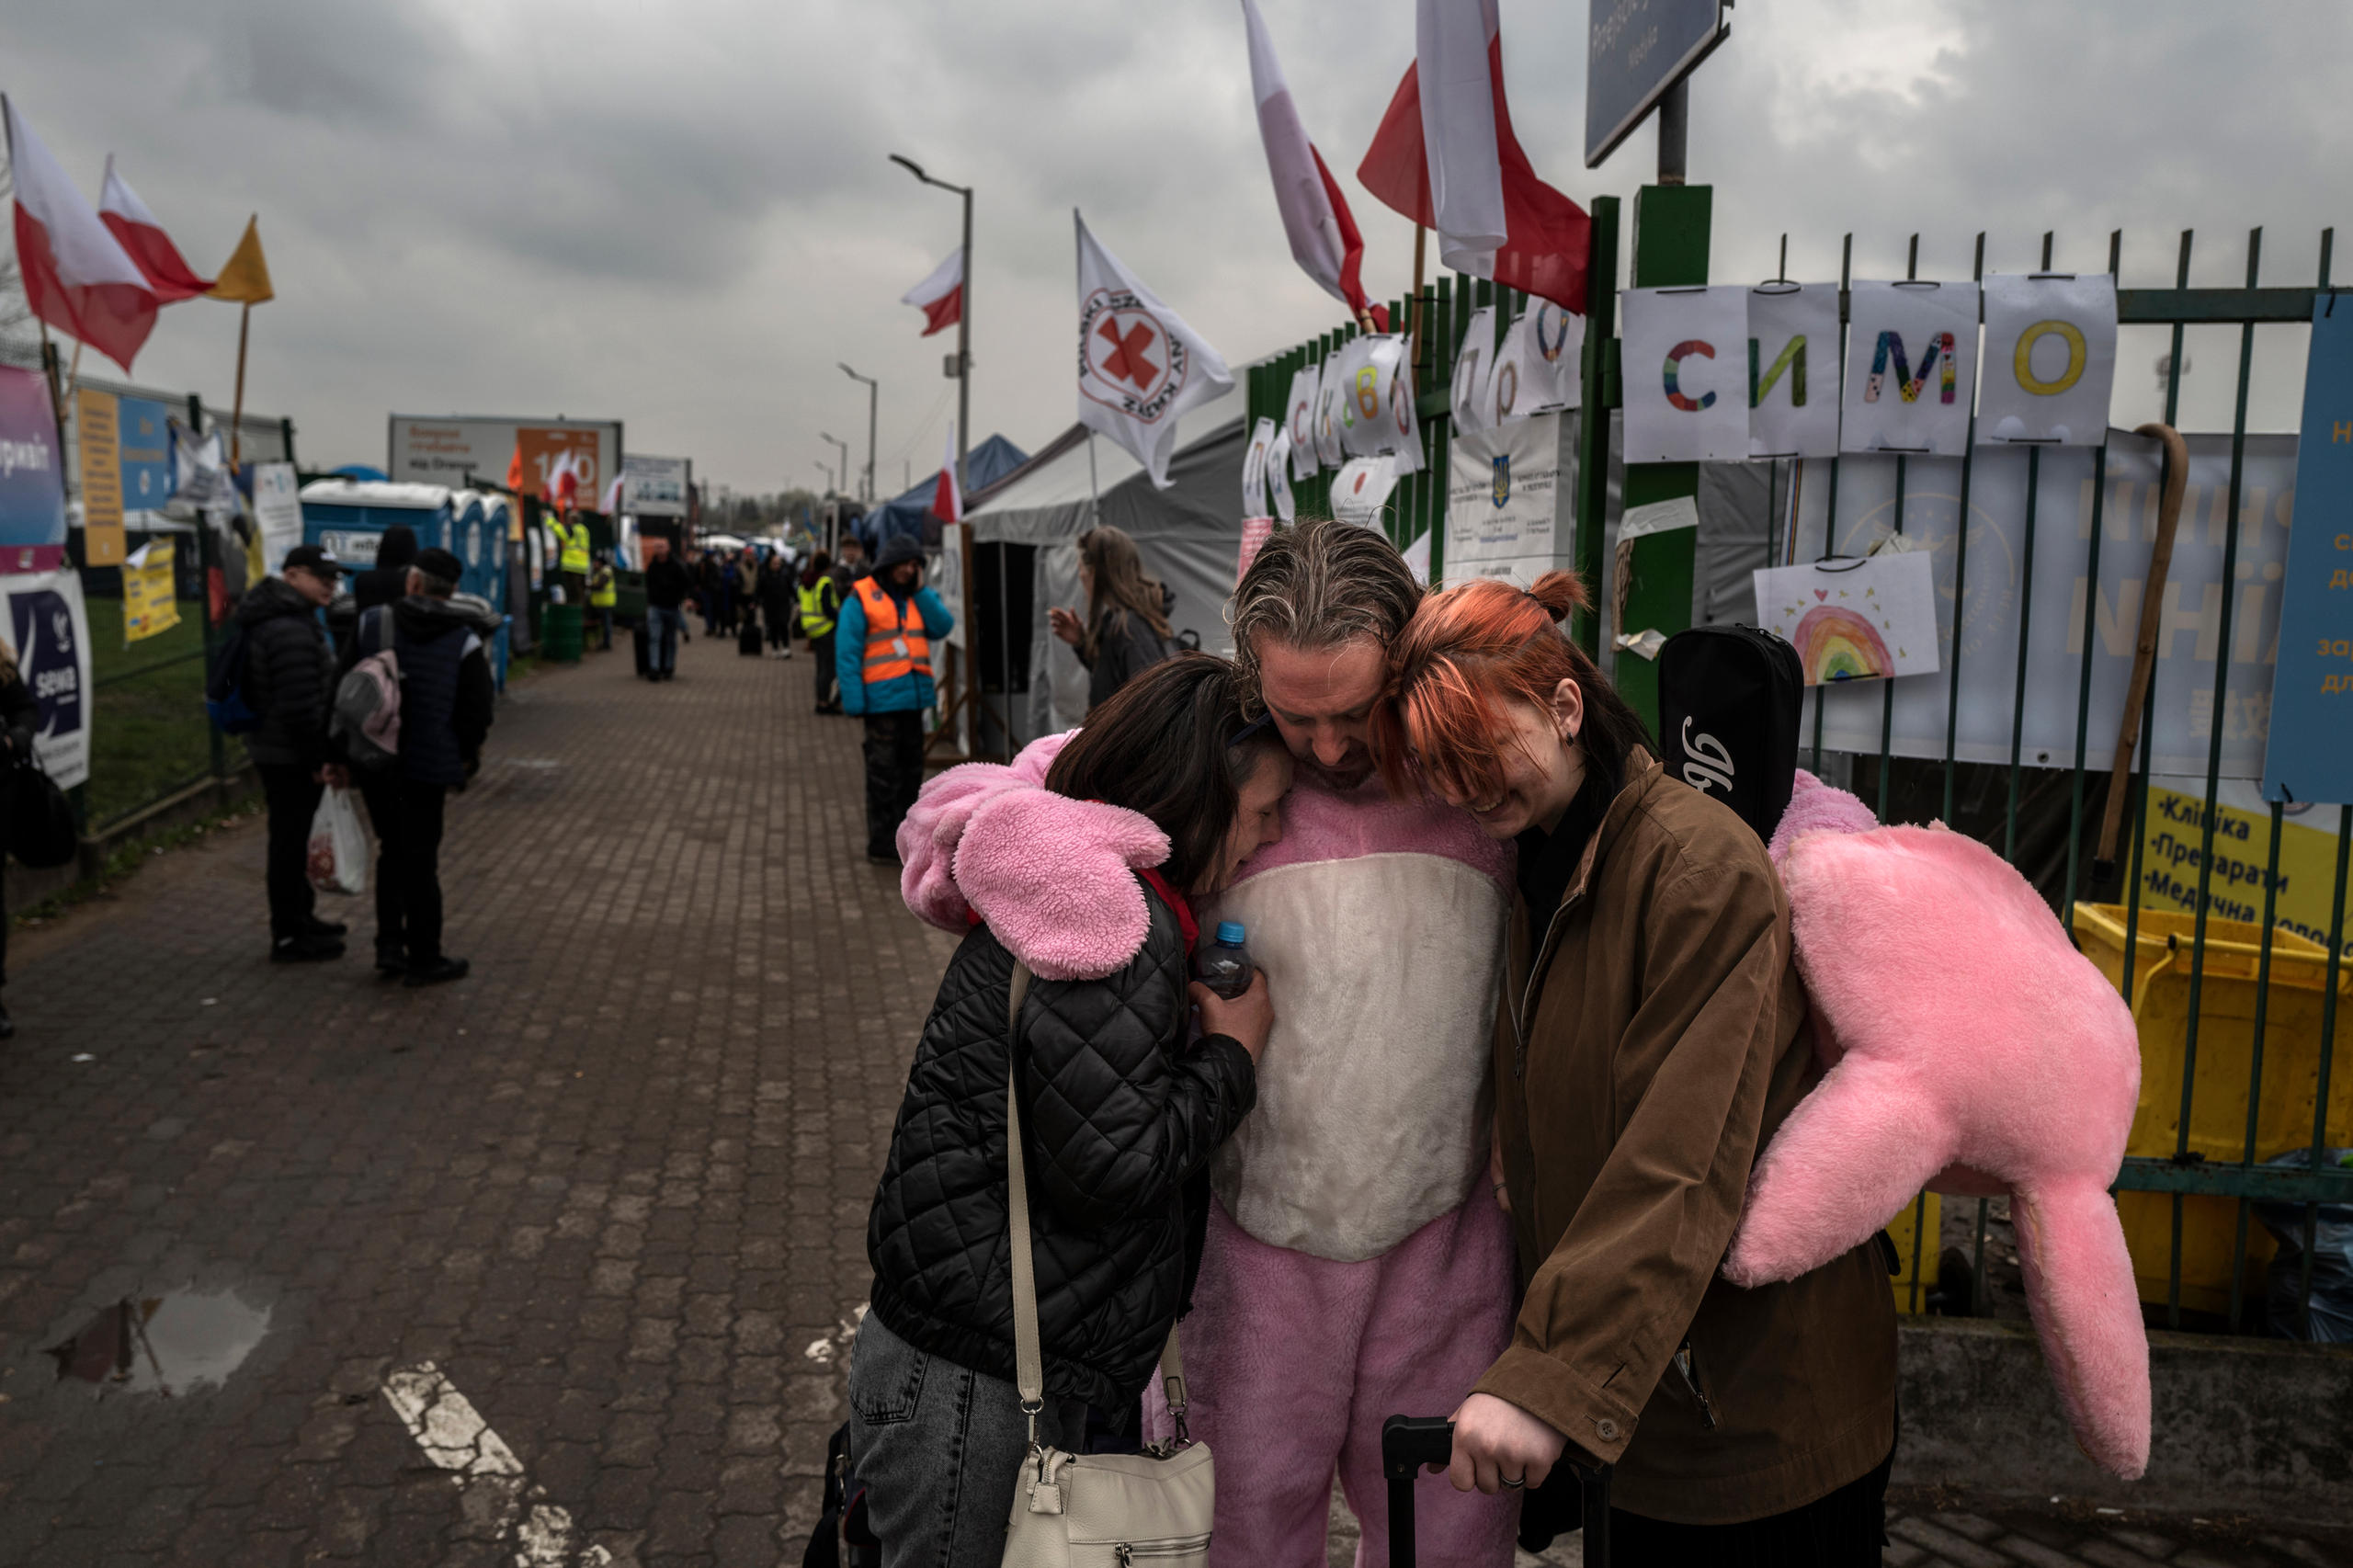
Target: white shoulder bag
x=1152 y=1509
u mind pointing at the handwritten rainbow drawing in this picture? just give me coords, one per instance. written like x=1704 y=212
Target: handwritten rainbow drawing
x=1836 y=643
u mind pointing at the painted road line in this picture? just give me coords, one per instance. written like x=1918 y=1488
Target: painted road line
x=490 y=1479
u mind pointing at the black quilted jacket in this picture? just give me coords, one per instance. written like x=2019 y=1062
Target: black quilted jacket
x=290 y=674
x=1122 y=1120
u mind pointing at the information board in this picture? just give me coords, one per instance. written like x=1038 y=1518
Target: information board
x=2309 y=755
x=445 y=451
x=1635 y=50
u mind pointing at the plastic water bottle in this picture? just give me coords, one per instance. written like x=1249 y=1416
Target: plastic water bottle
x=1223 y=966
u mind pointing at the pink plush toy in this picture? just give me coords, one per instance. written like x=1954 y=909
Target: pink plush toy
x=1971 y=1050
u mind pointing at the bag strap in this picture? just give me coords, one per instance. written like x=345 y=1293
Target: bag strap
x=1028 y=1358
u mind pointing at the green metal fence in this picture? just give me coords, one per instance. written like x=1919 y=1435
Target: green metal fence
x=1438 y=319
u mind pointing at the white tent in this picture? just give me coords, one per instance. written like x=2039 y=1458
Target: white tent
x=1189 y=535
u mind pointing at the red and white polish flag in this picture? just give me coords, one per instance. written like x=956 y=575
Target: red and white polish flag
x=946 y=500
x=940 y=297
x=1323 y=232
x=1445 y=156
x=143 y=238
x=77 y=277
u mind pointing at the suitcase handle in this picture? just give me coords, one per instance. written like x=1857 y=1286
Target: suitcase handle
x=1410 y=1442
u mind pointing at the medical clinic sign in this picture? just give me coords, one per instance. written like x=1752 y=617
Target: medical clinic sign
x=445 y=450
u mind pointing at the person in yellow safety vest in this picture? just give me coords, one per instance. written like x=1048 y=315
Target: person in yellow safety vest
x=572 y=561
x=882 y=658
x=604 y=592
x=820 y=603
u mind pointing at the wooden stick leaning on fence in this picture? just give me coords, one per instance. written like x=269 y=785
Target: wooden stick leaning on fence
x=2145 y=649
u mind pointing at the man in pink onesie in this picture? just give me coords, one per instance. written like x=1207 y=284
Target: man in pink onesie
x=1358 y=1264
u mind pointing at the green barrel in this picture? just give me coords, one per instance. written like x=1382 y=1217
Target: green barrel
x=560 y=629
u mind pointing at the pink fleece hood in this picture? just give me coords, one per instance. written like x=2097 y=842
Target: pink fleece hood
x=1053 y=878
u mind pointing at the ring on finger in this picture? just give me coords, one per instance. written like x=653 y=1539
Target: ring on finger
x=1514 y=1483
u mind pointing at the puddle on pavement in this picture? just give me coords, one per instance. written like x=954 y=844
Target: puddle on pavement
x=177 y=1343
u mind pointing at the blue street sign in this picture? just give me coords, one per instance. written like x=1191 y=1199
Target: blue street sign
x=1636 y=49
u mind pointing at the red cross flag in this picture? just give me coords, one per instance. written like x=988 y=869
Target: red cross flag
x=1140 y=365
x=940 y=297
x=77 y=277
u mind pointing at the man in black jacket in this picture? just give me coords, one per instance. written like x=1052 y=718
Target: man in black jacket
x=666 y=587
x=289 y=681
x=447 y=694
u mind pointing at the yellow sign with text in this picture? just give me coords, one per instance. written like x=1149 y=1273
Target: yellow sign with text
x=2172 y=853
x=150 y=605
x=99 y=439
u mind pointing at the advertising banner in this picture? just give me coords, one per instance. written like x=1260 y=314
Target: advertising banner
x=444 y=451
x=1505 y=498
x=32 y=475
x=2189 y=629
x=50 y=632
x=149 y=604
x=654 y=487
x=100 y=461
x=2309 y=752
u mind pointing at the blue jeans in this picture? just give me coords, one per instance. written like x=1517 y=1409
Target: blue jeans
x=939 y=1446
x=663 y=624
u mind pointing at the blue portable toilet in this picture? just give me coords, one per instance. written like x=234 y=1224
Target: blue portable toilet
x=347 y=518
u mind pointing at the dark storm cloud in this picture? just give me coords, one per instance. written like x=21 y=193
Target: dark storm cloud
x=681 y=214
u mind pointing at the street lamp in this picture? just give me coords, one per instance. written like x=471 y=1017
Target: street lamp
x=844 y=447
x=963 y=327
x=873 y=390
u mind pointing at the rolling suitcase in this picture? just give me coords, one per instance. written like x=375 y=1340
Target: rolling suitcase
x=747 y=640
x=1410 y=1442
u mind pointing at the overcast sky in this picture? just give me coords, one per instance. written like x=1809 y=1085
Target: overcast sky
x=680 y=215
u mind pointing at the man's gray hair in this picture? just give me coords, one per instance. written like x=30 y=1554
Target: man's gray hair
x=1318 y=585
x=433 y=587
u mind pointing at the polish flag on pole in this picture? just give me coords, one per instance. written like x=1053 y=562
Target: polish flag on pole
x=1139 y=367
x=946 y=500
x=940 y=297
x=77 y=277
x=168 y=274
x=1445 y=156
x=1323 y=232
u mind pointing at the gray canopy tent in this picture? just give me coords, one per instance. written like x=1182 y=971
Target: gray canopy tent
x=1025 y=558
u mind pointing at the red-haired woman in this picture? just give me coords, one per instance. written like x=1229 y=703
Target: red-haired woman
x=1652 y=1038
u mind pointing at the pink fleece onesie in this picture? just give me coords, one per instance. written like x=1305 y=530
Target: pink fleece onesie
x=1356 y=1267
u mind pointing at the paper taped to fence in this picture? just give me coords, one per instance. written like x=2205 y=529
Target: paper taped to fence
x=1686 y=364
x=1505 y=497
x=1853 y=619
x=150 y=605
x=2049 y=359
x=1254 y=470
x=1911 y=367
x=1793 y=371
x=1361 y=489
x=1299 y=423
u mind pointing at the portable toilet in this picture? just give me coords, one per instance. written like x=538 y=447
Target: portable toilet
x=347 y=517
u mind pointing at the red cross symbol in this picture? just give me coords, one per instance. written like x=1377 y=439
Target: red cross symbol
x=1126 y=361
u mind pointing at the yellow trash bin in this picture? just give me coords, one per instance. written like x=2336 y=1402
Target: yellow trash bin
x=2160 y=1000
x=1921 y=1220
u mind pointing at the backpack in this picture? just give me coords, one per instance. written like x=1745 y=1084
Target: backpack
x=367 y=700
x=1729 y=699
x=225 y=686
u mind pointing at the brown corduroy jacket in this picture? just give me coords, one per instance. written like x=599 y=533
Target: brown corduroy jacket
x=1651 y=1040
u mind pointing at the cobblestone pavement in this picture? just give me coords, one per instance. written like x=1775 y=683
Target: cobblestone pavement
x=613 y=1187
x=560 y=1260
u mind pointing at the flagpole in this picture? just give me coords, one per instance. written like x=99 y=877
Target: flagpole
x=237 y=406
x=1094 y=496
